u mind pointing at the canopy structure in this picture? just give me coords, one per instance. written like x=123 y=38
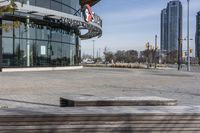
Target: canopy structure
x=76 y=22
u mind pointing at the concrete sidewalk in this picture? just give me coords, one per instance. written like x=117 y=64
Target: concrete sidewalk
x=43 y=89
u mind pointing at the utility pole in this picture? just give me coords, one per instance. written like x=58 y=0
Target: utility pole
x=148 y=55
x=179 y=53
x=99 y=53
x=188 y=35
x=93 y=48
x=155 y=55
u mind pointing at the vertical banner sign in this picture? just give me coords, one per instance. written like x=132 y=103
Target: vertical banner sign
x=1 y=57
x=87 y=13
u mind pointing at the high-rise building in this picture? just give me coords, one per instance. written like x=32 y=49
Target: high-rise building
x=174 y=15
x=164 y=30
x=171 y=26
x=198 y=35
x=171 y=31
x=46 y=33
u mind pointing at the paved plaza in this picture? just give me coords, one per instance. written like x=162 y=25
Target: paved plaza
x=36 y=89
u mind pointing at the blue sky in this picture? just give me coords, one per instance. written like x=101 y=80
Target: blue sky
x=129 y=24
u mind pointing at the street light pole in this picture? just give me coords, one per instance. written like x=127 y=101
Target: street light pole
x=188 y=34
x=93 y=48
x=155 y=55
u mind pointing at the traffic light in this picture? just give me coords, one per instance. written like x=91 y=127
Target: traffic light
x=147 y=45
x=191 y=50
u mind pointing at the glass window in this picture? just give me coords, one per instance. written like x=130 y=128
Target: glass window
x=56 y=36
x=16 y=52
x=22 y=32
x=43 y=3
x=42 y=34
x=65 y=37
x=75 y=6
x=23 y=53
x=73 y=39
x=66 y=6
x=17 y=30
x=55 y=55
x=8 y=32
x=56 y=5
x=32 y=2
x=72 y=54
x=66 y=54
x=7 y=46
x=41 y=53
x=7 y=49
x=32 y=33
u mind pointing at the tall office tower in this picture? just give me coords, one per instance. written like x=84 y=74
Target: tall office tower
x=171 y=31
x=198 y=35
x=163 y=41
x=174 y=22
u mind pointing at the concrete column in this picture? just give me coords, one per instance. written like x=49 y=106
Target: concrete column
x=28 y=36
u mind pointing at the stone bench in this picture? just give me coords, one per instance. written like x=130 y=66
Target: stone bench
x=78 y=101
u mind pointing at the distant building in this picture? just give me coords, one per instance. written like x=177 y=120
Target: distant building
x=171 y=26
x=171 y=31
x=174 y=14
x=164 y=30
x=198 y=35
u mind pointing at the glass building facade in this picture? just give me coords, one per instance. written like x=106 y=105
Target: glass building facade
x=66 y=6
x=171 y=31
x=50 y=44
x=171 y=26
x=174 y=22
x=163 y=32
x=198 y=36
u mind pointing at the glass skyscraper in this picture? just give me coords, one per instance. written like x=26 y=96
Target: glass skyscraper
x=198 y=35
x=164 y=30
x=49 y=33
x=171 y=31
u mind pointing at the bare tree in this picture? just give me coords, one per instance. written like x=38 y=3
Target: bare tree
x=131 y=56
x=108 y=55
x=9 y=8
x=120 y=56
